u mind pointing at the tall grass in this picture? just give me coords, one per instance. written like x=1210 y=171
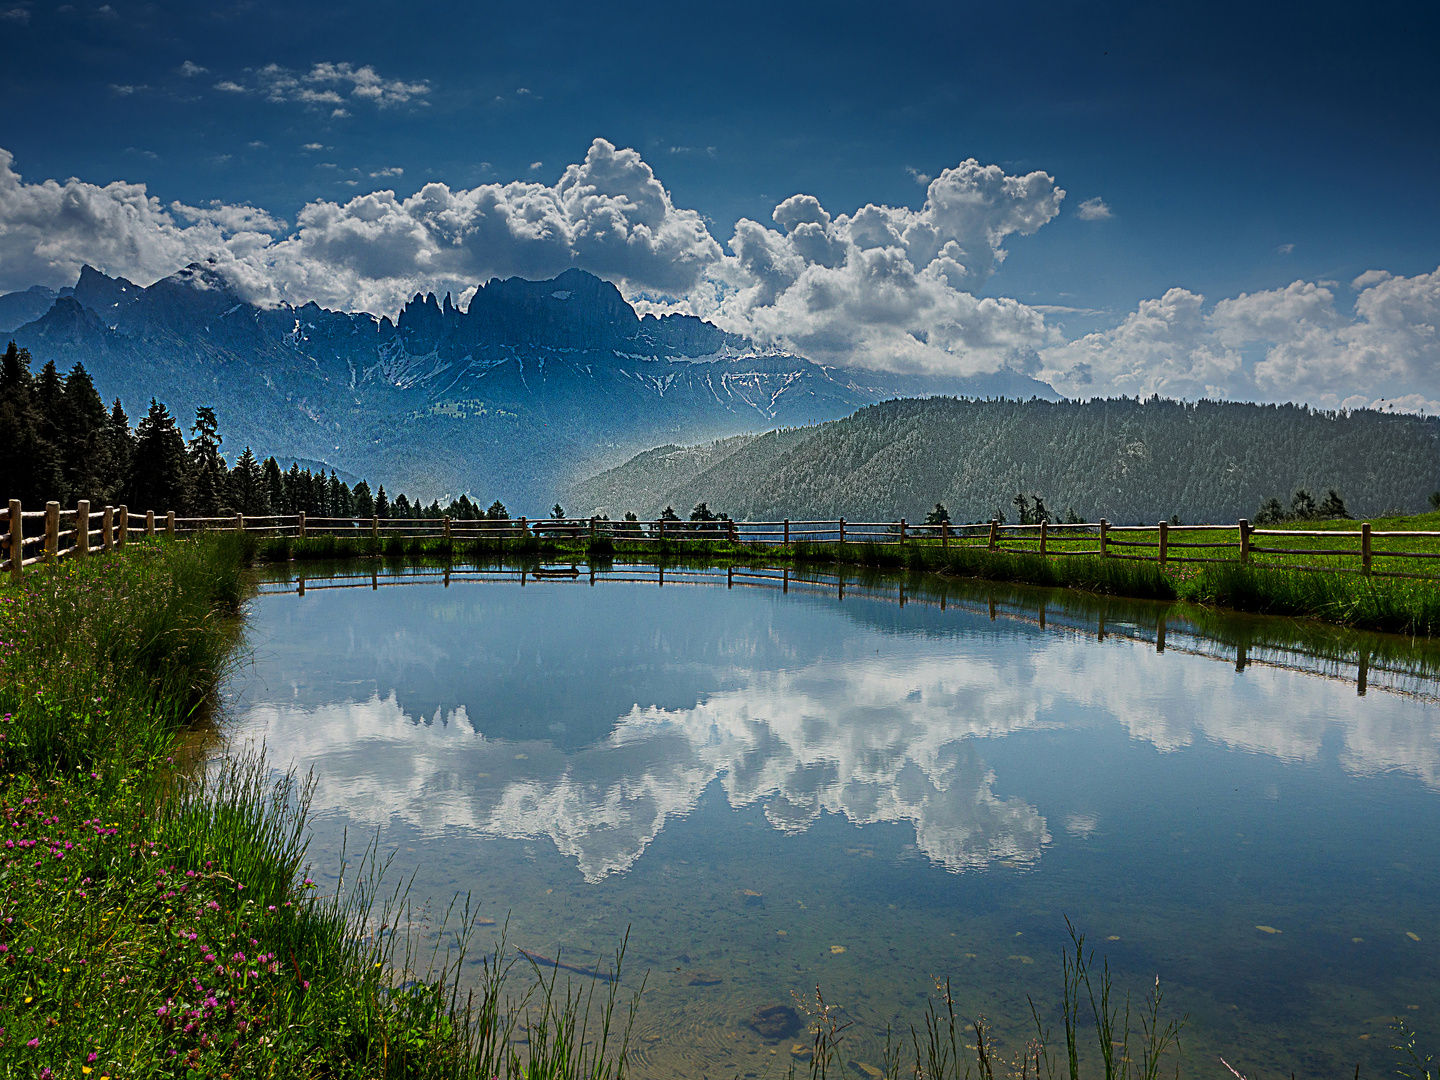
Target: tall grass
x=158 y=923
x=1395 y=605
x=1113 y=1041
x=104 y=659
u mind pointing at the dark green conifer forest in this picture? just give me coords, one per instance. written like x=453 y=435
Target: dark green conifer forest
x=59 y=442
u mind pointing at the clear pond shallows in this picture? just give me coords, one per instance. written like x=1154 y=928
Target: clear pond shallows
x=778 y=779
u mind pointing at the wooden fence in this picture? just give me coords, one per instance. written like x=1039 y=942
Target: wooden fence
x=53 y=534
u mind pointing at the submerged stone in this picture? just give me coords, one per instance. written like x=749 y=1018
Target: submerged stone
x=775 y=1021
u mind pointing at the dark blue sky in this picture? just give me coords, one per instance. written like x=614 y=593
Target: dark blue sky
x=1218 y=135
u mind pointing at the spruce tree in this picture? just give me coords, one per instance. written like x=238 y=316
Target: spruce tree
x=48 y=394
x=382 y=504
x=362 y=503
x=339 y=497
x=497 y=512
x=209 y=479
x=120 y=456
x=158 y=478
x=295 y=499
x=247 y=486
x=274 y=486
x=86 y=443
x=29 y=466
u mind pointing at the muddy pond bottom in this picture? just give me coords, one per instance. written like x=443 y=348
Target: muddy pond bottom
x=778 y=780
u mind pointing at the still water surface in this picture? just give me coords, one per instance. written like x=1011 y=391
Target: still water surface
x=778 y=780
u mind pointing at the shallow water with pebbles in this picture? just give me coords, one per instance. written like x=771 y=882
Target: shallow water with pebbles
x=871 y=785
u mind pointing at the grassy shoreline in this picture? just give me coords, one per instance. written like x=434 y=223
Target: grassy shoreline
x=1388 y=605
x=155 y=924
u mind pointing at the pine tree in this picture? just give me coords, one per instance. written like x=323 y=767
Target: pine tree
x=1302 y=506
x=120 y=456
x=274 y=485
x=293 y=498
x=209 y=479
x=29 y=466
x=48 y=394
x=362 y=503
x=158 y=479
x=382 y=504
x=938 y=516
x=86 y=445
x=339 y=497
x=248 y=494
x=1333 y=506
x=497 y=512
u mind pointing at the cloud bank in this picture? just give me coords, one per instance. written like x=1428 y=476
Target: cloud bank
x=885 y=287
x=1294 y=343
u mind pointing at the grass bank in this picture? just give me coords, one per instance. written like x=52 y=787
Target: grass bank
x=1391 y=605
x=154 y=924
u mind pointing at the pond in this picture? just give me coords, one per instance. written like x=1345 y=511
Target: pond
x=777 y=779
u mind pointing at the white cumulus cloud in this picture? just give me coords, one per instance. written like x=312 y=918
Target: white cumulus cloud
x=1094 y=210
x=891 y=287
x=1297 y=343
x=895 y=288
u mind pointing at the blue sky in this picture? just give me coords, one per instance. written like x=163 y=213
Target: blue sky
x=1237 y=148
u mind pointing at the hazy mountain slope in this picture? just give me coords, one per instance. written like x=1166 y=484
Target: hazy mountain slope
x=669 y=475
x=1125 y=460
x=19 y=308
x=534 y=386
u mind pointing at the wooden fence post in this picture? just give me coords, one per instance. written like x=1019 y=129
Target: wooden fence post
x=994 y=533
x=82 y=527
x=524 y=529
x=239 y=523
x=1104 y=538
x=1244 y=527
x=17 y=540
x=733 y=531
x=594 y=526
x=842 y=530
x=1044 y=535
x=301 y=522
x=1164 y=549
x=374 y=527
x=1365 y=547
x=662 y=530
x=945 y=536
x=787 y=532
x=902 y=532
x=445 y=526
x=107 y=528
x=52 y=532
x=122 y=525
x=170 y=524
x=149 y=522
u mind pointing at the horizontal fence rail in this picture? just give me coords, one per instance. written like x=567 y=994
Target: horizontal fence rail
x=39 y=536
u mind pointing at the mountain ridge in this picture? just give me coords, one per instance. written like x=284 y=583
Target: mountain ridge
x=533 y=386
x=1127 y=460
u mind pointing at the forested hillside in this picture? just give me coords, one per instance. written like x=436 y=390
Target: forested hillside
x=1125 y=459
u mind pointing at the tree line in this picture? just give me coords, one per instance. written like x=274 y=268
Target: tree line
x=58 y=441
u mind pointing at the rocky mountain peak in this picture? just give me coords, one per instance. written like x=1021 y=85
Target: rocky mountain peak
x=103 y=294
